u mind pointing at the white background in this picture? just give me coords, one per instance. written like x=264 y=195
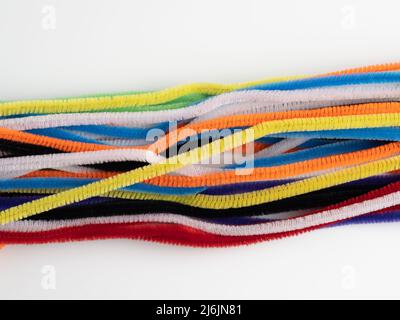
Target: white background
x=60 y=48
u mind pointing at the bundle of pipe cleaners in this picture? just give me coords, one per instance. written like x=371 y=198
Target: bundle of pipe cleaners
x=204 y=164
